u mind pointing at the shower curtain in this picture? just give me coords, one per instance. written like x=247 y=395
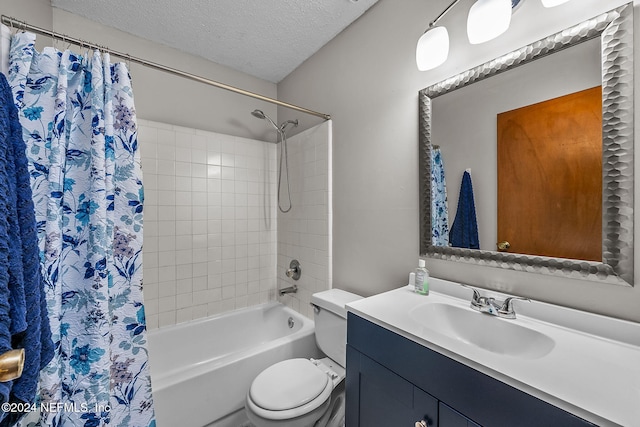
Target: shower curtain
x=439 y=209
x=79 y=125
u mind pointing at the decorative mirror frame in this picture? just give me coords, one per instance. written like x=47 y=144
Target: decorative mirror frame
x=615 y=29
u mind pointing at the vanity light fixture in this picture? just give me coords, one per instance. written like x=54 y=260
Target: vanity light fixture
x=433 y=48
x=433 y=45
x=553 y=3
x=488 y=19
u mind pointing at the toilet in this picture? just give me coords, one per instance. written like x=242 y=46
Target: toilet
x=307 y=392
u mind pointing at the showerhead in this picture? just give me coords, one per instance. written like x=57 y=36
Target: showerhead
x=258 y=113
x=261 y=115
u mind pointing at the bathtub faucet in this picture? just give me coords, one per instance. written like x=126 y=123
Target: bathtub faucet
x=290 y=290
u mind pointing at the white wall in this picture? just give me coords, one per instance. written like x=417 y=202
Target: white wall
x=366 y=78
x=37 y=12
x=304 y=233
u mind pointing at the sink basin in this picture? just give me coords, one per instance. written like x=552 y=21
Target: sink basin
x=491 y=333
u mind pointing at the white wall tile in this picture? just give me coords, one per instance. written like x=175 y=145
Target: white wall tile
x=304 y=233
x=183 y=185
x=196 y=204
x=184 y=315
x=213 y=235
x=166 y=137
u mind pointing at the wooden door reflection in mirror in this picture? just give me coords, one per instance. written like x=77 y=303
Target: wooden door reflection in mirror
x=550 y=177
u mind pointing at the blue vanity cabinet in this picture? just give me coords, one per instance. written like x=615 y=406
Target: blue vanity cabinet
x=395 y=382
x=448 y=417
x=390 y=399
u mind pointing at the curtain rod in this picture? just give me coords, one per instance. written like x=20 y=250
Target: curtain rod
x=22 y=25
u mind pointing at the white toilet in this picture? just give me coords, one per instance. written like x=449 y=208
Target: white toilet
x=307 y=392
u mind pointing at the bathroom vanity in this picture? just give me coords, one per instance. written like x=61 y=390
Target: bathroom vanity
x=417 y=360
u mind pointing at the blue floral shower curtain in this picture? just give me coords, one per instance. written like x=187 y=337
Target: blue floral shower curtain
x=439 y=205
x=79 y=125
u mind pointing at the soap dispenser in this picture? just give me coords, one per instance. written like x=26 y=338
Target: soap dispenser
x=422 y=278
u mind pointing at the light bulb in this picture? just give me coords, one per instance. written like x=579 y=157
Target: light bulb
x=432 y=49
x=488 y=19
x=553 y=3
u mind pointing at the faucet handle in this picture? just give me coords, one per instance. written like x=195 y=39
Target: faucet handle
x=476 y=294
x=507 y=306
x=477 y=298
x=294 y=271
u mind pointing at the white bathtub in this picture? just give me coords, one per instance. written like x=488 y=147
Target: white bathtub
x=201 y=370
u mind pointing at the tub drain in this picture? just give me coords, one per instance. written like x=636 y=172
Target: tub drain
x=290 y=322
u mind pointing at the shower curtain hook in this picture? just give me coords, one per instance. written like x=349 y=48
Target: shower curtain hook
x=64 y=42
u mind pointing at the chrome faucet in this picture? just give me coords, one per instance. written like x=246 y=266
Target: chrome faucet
x=295 y=270
x=290 y=290
x=493 y=306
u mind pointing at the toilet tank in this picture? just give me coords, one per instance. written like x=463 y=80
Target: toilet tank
x=330 y=316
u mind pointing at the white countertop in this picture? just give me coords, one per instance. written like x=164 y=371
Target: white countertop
x=589 y=372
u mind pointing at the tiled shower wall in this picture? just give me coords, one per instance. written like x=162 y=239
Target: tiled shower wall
x=304 y=233
x=210 y=222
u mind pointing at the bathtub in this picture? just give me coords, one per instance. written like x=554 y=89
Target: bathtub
x=202 y=370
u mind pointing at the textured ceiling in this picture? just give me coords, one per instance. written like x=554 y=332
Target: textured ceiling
x=264 y=38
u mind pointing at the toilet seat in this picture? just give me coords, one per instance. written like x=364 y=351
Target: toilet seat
x=289 y=389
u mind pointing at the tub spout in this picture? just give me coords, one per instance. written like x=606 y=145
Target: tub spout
x=290 y=290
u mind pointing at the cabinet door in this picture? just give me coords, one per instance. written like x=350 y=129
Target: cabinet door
x=448 y=417
x=385 y=399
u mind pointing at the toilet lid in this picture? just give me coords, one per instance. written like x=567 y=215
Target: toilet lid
x=287 y=385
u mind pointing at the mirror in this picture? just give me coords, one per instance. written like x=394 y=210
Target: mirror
x=606 y=42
